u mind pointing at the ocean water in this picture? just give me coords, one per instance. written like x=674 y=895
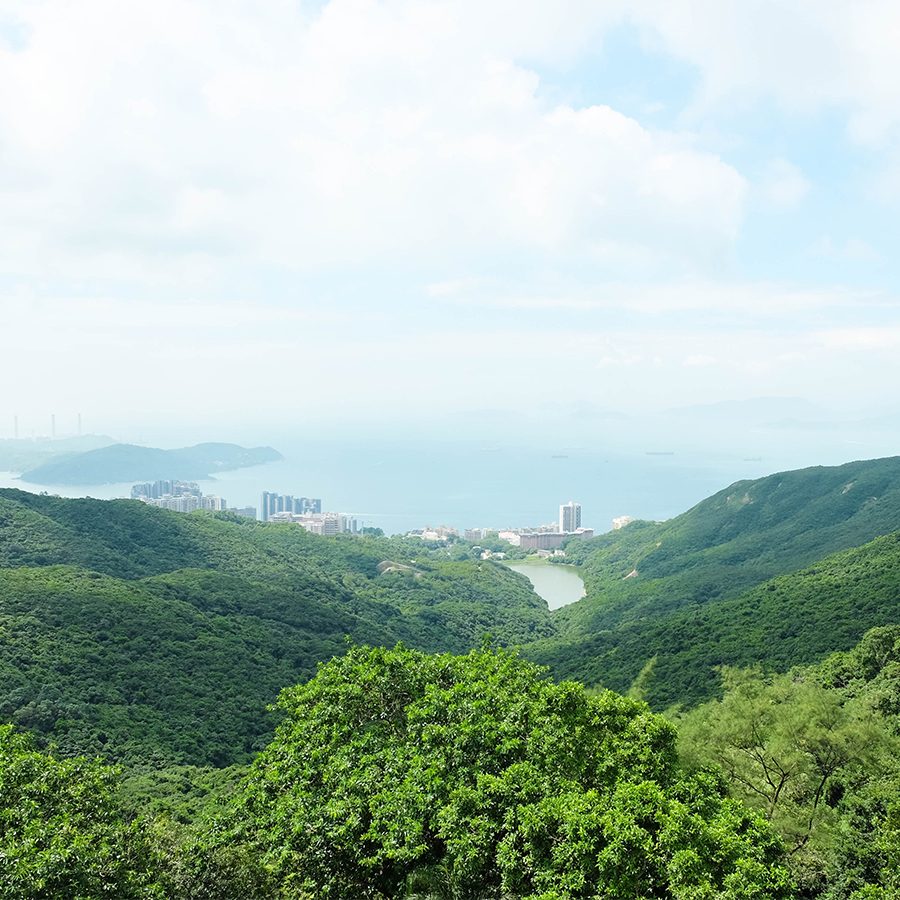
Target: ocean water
x=402 y=484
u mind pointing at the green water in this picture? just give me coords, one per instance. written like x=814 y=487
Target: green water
x=558 y=585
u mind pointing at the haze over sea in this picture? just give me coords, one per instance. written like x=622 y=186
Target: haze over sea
x=398 y=482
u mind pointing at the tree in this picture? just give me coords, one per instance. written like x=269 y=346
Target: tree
x=61 y=833
x=807 y=758
x=396 y=773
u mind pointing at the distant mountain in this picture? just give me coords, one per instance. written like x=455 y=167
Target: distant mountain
x=129 y=462
x=655 y=587
x=20 y=454
x=756 y=411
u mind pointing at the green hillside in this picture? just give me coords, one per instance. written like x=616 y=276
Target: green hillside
x=739 y=537
x=672 y=601
x=157 y=640
x=129 y=462
x=790 y=620
x=154 y=637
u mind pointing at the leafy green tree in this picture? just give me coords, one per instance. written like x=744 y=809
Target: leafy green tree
x=395 y=774
x=870 y=672
x=815 y=764
x=61 y=832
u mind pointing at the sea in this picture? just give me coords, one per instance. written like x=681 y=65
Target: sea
x=404 y=483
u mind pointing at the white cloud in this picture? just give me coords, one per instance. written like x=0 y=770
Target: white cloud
x=783 y=185
x=199 y=362
x=862 y=339
x=265 y=152
x=146 y=141
x=806 y=55
x=853 y=250
x=771 y=302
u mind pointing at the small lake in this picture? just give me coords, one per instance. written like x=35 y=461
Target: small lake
x=558 y=585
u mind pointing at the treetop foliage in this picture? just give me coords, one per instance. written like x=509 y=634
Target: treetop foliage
x=477 y=776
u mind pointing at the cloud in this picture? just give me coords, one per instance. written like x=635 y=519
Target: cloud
x=298 y=206
x=163 y=141
x=770 y=302
x=862 y=339
x=783 y=185
x=851 y=250
x=806 y=55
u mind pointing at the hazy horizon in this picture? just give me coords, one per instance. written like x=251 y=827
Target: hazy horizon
x=448 y=218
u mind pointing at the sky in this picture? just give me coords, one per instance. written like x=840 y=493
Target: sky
x=379 y=212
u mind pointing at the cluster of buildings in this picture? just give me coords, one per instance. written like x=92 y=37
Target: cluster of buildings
x=441 y=533
x=186 y=496
x=320 y=523
x=180 y=496
x=550 y=537
x=270 y=504
x=541 y=537
x=306 y=512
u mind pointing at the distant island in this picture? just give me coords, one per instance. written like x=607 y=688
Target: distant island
x=129 y=462
x=21 y=454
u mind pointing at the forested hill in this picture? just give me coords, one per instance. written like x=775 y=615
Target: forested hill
x=739 y=537
x=129 y=462
x=149 y=636
x=152 y=636
x=669 y=603
x=790 y=620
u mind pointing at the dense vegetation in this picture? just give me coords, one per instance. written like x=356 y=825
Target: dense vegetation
x=817 y=752
x=398 y=774
x=156 y=638
x=395 y=772
x=61 y=833
x=790 y=620
x=129 y=462
x=685 y=596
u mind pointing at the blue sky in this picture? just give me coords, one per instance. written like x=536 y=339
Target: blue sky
x=305 y=210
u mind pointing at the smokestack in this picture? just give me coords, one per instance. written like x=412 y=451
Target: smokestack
x=79 y=424
x=16 y=427
x=53 y=426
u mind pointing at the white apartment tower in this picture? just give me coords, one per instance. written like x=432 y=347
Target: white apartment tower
x=569 y=517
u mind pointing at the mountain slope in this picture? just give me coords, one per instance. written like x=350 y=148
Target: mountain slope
x=155 y=637
x=790 y=620
x=741 y=536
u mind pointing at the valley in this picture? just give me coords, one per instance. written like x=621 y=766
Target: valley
x=161 y=642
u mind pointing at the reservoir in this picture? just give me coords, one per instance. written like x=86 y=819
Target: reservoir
x=558 y=585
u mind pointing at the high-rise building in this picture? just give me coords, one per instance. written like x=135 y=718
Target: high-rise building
x=155 y=490
x=569 y=517
x=271 y=503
